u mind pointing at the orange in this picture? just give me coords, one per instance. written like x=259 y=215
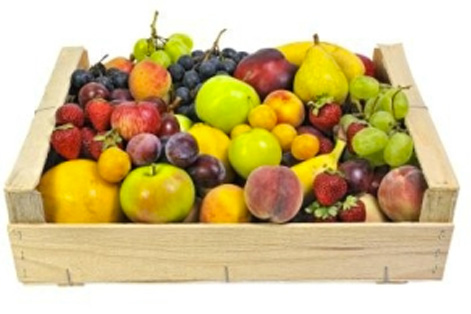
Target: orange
x=74 y=192
x=305 y=146
x=239 y=129
x=114 y=164
x=262 y=117
x=285 y=133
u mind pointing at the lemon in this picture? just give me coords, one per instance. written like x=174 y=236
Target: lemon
x=74 y=192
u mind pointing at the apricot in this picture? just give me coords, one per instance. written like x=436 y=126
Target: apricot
x=224 y=204
x=273 y=193
x=120 y=63
x=287 y=106
x=401 y=192
x=149 y=80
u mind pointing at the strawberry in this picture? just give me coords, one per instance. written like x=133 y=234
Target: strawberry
x=87 y=138
x=98 y=112
x=353 y=210
x=66 y=141
x=329 y=188
x=325 y=117
x=70 y=113
x=96 y=143
x=353 y=129
x=325 y=145
x=323 y=213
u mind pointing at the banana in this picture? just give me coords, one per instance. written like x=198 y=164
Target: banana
x=307 y=170
x=350 y=63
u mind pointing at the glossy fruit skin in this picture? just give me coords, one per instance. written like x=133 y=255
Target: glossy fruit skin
x=98 y=112
x=181 y=149
x=131 y=118
x=120 y=63
x=74 y=192
x=224 y=102
x=305 y=146
x=114 y=164
x=67 y=141
x=358 y=173
x=266 y=70
x=326 y=117
x=149 y=79
x=370 y=67
x=252 y=149
x=70 y=113
x=224 y=204
x=263 y=117
x=287 y=106
x=329 y=188
x=144 y=149
x=157 y=193
x=90 y=91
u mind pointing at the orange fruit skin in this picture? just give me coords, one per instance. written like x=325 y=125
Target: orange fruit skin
x=287 y=106
x=74 y=192
x=305 y=146
x=285 y=133
x=263 y=117
x=225 y=204
x=114 y=164
x=149 y=79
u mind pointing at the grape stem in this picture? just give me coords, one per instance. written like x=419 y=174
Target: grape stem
x=174 y=105
x=153 y=25
x=215 y=47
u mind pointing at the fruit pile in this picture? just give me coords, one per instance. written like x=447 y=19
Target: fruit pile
x=299 y=133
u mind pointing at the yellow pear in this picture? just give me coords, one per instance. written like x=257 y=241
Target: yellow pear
x=320 y=76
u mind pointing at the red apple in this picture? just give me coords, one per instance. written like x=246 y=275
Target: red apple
x=370 y=67
x=266 y=70
x=131 y=118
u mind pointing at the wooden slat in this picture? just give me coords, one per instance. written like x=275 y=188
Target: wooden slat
x=26 y=173
x=71 y=254
x=440 y=198
x=392 y=67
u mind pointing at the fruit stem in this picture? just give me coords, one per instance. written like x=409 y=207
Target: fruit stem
x=215 y=47
x=316 y=39
x=153 y=25
x=174 y=105
x=103 y=58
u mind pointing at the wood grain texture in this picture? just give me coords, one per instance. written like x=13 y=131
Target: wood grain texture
x=72 y=254
x=440 y=198
x=25 y=176
x=393 y=67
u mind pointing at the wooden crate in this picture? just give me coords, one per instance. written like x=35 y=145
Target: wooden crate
x=75 y=254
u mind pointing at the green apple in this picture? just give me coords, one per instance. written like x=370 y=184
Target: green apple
x=224 y=102
x=253 y=149
x=157 y=193
x=184 y=121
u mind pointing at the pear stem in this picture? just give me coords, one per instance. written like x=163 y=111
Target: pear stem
x=316 y=39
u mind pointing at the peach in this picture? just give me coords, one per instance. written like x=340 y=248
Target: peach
x=287 y=106
x=224 y=204
x=401 y=192
x=149 y=79
x=120 y=63
x=273 y=193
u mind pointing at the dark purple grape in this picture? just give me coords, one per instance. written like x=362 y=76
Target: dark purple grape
x=105 y=81
x=195 y=90
x=207 y=69
x=168 y=126
x=207 y=172
x=119 y=79
x=358 y=173
x=240 y=55
x=98 y=70
x=181 y=149
x=228 y=66
x=120 y=94
x=186 y=62
x=229 y=53
x=176 y=72
x=378 y=176
x=79 y=78
x=184 y=94
x=191 y=79
x=197 y=54
x=288 y=159
x=222 y=73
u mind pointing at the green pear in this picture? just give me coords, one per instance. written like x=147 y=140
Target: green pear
x=320 y=76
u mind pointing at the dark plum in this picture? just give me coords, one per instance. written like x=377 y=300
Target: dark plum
x=169 y=126
x=92 y=90
x=181 y=149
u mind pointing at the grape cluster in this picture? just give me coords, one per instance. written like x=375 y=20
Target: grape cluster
x=110 y=78
x=192 y=70
x=383 y=140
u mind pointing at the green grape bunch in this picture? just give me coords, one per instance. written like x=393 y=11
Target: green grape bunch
x=164 y=51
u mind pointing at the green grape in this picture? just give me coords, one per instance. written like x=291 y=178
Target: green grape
x=400 y=105
x=368 y=141
x=376 y=159
x=346 y=120
x=184 y=38
x=364 y=87
x=142 y=49
x=370 y=107
x=161 y=57
x=384 y=102
x=399 y=149
x=175 y=48
x=382 y=120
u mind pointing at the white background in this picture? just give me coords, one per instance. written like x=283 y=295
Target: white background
x=436 y=38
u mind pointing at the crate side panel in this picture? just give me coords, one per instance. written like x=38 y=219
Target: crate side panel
x=32 y=157
x=133 y=253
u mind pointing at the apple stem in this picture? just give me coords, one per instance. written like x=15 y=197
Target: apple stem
x=153 y=170
x=316 y=39
x=215 y=47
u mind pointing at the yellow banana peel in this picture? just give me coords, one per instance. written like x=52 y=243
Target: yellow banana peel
x=307 y=170
x=350 y=63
